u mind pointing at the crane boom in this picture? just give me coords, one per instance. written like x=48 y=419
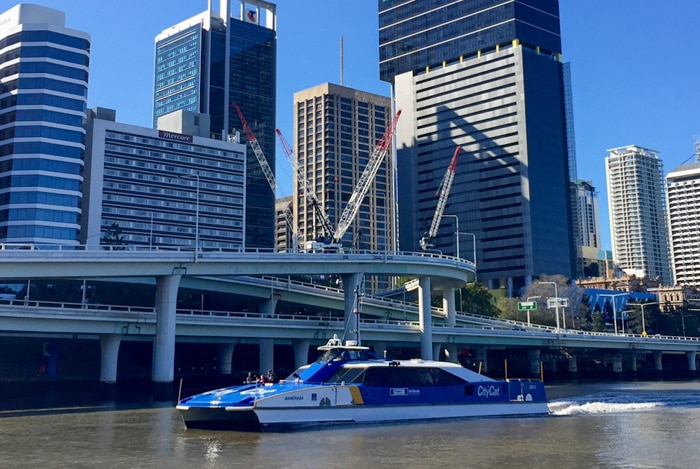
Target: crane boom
x=253 y=140
x=443 y=192
x=267 y=171
x=366 y=179
x=309 y=194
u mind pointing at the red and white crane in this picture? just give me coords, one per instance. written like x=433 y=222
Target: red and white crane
x=269 y=174
x=334 y=238
x=426 y=242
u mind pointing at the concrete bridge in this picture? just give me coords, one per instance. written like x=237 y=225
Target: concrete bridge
x=169 y=267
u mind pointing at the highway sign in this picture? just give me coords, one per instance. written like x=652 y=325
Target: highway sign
x=527 y=305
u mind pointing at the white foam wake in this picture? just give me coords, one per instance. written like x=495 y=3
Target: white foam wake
x=576 y=408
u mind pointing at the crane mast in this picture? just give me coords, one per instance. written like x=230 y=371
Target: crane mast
x=267 y=171
x=443 y=192
x=366 y=179
x=309 y=195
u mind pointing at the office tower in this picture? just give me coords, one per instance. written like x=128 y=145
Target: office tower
x=586 y=228
x=43 y=101
x=336 y=129
x=637 y=208
x=683 y=193
x=283 y=228
x=171 y=186
x=486 y=76
x=213 y=60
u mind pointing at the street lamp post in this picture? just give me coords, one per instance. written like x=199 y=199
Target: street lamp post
x=456 y=232
x=196 y=215
x=530 y=298
x=642 y=305
x=556 y=299
x=473 y=246
x=612 y=297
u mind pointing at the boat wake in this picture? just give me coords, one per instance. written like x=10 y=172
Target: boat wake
x=624 y=400
x=598 y=407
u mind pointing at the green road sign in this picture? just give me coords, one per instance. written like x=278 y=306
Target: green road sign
x=527 y=305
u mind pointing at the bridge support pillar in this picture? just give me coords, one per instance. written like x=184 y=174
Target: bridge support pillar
x=301 y=352
x=617 y=363
x=425 y=319
x=448 y=304
x=109 y=356
x=380 y=348
x=633 y=362
x=164 y=343
x=658 y=362
x=691 y=356
x=452 y=352
x=270 y=305
x=226 y=358
x=573 y=364
x=267 y=355
x=351 y=283
x=535 y=357
x=482 y=359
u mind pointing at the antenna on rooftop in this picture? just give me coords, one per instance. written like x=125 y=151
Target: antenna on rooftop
x=342 y=59
x=697 y=149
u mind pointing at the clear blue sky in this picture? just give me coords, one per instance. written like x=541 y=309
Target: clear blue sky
x=635 y=67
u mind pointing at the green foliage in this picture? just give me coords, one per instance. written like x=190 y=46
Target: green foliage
x=477 y=299
x=113 y=236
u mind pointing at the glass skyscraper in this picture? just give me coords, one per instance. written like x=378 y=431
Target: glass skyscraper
x=487 y=76
x=43 y=102
x=213 y=60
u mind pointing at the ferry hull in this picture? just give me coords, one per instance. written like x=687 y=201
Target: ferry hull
x=288 y=418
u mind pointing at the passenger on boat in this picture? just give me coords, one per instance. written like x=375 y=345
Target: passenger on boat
x=250 y=378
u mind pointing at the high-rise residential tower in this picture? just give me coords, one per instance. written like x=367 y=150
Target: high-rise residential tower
x=336 y=130
x=43 y=102
x=637 y=207
x=586 y=228
x=211 y=61
x=486 y=76
x=683 y=193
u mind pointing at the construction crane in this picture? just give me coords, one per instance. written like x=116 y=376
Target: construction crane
x=309 y=194
x=333 y=238
x=366 y=179
x=426 y=242
x=269 y=174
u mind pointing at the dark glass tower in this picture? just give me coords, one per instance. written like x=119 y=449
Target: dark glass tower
x=43 y=99
x=215 y=59
x=487 y=76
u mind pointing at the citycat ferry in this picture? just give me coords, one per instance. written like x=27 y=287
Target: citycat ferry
x=351 y=384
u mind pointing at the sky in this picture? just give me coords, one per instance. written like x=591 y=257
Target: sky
x=634 y=63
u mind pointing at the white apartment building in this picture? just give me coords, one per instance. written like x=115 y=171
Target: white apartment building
x=683 y=195
x=637 y=207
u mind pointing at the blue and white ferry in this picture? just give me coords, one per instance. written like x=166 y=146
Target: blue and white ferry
x=351 y=384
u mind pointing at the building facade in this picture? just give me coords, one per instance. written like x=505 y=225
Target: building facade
x=486 y=76
x=336 y=130
x=211 y=61
x=683 y=199
x=43 y=102
x=637 y=207
x=586 y=228
x=172 y=186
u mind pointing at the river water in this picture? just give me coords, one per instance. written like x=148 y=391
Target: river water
x=611 y=425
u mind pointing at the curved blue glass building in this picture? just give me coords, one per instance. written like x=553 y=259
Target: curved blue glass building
x=43 y=102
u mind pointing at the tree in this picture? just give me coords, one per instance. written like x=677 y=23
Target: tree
x=477 y=299
x=113 y=236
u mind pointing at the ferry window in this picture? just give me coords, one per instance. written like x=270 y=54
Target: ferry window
x=444 y=378
x=347 y=375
